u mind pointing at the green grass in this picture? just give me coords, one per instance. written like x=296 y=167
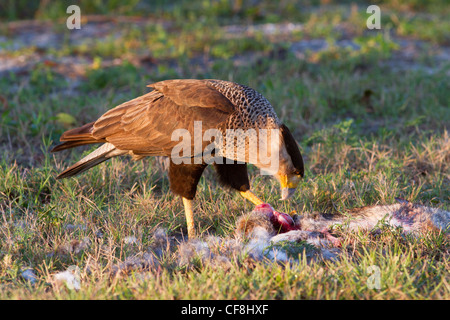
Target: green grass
x=368 y=133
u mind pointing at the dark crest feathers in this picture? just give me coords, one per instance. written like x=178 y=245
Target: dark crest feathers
x=292 y=149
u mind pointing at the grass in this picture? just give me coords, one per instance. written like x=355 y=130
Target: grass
x=368 y=133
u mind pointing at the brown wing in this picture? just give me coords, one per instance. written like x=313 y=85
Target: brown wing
x=145 y=124
x=192 y=92
x=77 y=137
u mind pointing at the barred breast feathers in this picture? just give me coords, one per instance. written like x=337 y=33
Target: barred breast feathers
x=253 y=109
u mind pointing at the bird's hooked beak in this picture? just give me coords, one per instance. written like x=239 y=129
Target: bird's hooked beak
x=288 y=185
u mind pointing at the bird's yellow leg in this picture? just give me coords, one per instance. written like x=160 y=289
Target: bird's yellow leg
x=189 y=217
x=251 y=197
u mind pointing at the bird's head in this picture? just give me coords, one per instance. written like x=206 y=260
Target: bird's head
x=291 y=169
x=286 y=162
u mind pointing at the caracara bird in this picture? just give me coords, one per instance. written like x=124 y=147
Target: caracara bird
x=203 y=112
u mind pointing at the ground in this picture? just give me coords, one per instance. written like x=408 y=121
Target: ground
x=369 y=108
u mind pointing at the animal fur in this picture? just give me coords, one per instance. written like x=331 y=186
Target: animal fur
x=411 y=217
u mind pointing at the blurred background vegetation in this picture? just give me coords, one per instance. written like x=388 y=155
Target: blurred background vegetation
x=250 y=11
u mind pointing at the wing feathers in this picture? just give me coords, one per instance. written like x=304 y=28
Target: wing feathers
x=81 y=133
x=192 y=92
x=101 y=154
x=73 y=144
x=77 y=137
x=144 y=125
